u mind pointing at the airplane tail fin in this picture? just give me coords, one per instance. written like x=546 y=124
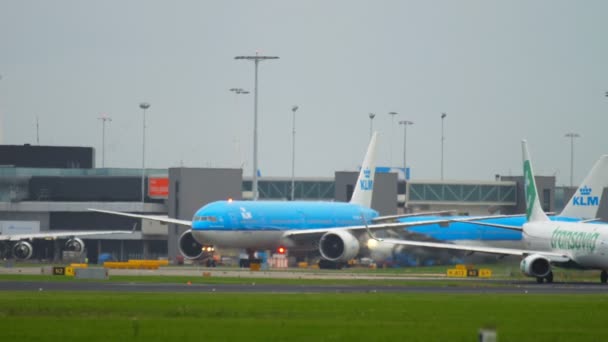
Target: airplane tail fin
x=364 y=187
x=585 y=202
x=534 y=212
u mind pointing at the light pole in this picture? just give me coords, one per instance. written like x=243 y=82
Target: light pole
x=143 y=106
x=104 y=118
x=256 y=60
x=405 y=123
x=371 y=124
x=571 y=135
x=443 y=115
x=293 y=152
x=239 y=91
x=392 y=114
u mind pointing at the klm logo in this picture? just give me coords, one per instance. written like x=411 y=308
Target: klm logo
x=366 y=183
x=246 y=215
x=585 y=199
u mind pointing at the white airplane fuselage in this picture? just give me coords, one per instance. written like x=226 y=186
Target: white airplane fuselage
x=586 y=244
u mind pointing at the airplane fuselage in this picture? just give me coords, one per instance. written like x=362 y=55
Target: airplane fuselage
x=262 y=224
x=586 y=244
x=470 y=234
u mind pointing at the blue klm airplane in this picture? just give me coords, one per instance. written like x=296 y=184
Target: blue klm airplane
x=336 y=230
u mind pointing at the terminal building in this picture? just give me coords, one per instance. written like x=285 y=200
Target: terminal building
x=49 y=188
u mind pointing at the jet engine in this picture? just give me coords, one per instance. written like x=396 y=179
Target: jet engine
x=189 y=247
x=535 y=265
x=339 y=246
x=23 y=250
x=74 y=245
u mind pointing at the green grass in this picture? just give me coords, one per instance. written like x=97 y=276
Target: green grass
x=53 y=316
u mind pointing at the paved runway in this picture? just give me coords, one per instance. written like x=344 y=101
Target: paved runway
x=411 y=283
x=511 y=288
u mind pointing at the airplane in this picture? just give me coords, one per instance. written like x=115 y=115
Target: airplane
x=20 y=246
x=582 y=206
x=334 y=229
x=578 y=245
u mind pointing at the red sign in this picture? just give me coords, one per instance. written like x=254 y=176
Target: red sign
x=158 y=187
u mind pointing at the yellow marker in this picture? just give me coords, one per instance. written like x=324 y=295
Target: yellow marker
x=456 y=272
x=485 y=273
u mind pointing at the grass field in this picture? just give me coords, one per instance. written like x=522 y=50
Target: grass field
x=53 y=316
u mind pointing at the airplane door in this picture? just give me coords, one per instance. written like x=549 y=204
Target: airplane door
x=233 y=220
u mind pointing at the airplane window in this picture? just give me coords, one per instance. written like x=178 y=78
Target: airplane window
x=206 y=218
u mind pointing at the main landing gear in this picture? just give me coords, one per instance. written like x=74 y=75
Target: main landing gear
x=548 y=278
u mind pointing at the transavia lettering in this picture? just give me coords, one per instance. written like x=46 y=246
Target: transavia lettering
x=585 y=201
x=366 y=184
x=565 y=239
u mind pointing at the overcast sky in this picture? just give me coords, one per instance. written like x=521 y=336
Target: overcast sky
x=501 y=70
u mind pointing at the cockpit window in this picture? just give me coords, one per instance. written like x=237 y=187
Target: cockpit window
x=206 y=218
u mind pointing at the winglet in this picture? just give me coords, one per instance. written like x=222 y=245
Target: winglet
x=369 y=231
x=364 y=188
x=534 y=211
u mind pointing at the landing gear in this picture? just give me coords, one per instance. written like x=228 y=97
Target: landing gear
x=603 y=277
x=330 y=265
x=548 y=277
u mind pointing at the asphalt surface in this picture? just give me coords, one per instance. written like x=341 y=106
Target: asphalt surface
x=105 y=286
x=435 y=283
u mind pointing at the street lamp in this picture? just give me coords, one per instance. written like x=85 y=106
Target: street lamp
x=392 y=114
x=256 y=60
x=371 y=123
x=405 y=123
x=143 y=106
x=104 y=118
x=293 y=152
x=238 y=91
x=571 y=135
x=443 y=115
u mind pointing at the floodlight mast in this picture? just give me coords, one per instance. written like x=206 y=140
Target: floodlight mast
x=256 y=59
x=572 y=136
x=144 y=106
x=293 y=152
x=104 y=118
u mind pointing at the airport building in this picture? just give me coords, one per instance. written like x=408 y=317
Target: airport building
x=49 y=188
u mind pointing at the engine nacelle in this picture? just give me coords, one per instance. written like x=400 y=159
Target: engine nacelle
x=23 y=250
x=189 y=247
x=74 y=245
x=535 y=265
x=338 y=246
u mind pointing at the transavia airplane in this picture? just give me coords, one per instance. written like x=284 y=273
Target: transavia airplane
x=565 y=244
x=336 y=229
x=19 y=245
x=583 y=206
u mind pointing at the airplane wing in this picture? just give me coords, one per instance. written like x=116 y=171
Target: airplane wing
x=395 y=225
x=157 y=218
x=553 y=257
x=393 y=218
x=494 y=225
x=302 y=232
x=63 y=234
